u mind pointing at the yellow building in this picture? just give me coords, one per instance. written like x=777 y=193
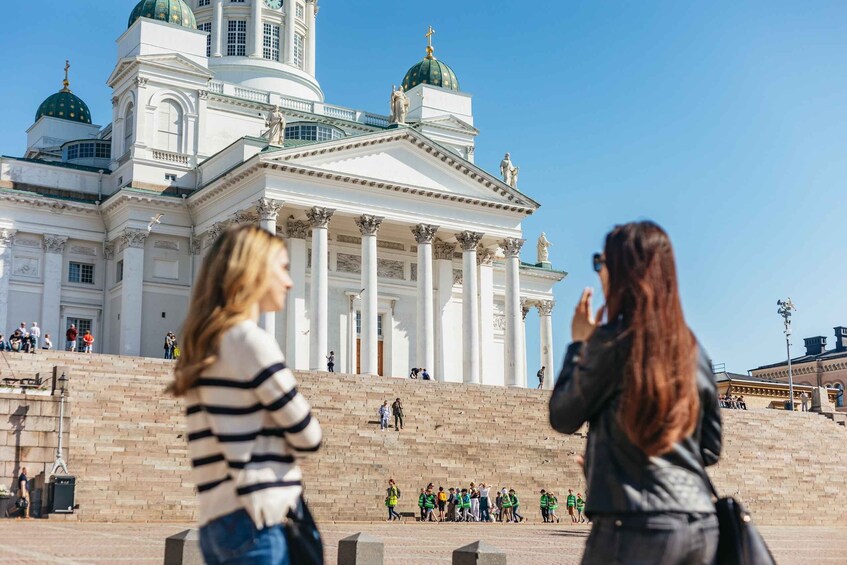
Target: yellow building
x=759 y=392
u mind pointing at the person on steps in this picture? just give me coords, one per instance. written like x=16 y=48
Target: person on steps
x=544 y=506
x=392 y=496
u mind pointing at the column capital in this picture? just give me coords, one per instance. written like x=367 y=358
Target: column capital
x=469 y=239
x=243 y=217
x=7 y=237
x=526 y=306
x=545 y=307
x=109 y=250
x=134 y=238
x=268 y=209
x=298 y=229
x=319 y=217
x=195 y=245
x=484 y=256
x=511 y=246
x=424 y=233
x=215 y=232
x=443 y=250
x=368 y=225
x=54 y=243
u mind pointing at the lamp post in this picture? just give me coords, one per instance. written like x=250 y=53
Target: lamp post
x=784 y=310
x=60 y=462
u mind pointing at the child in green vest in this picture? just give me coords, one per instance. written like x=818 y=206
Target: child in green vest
x=516 y=504
x=505 y=507
x=580 y=507
x=392 y=495
x=552 y=506
x=421 y=499
x=544 y=505
x=429 y=505
x=571 y=501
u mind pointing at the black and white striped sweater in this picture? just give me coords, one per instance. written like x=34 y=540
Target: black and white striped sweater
x=246 y=426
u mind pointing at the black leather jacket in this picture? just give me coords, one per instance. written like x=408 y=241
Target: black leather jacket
x=621 y=478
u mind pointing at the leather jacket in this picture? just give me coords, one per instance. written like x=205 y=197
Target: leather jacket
x=621 y=479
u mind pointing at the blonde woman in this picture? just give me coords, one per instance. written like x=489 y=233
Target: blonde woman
x=247 y=423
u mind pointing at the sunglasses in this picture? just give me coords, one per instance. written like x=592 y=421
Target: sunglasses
x=598 y=261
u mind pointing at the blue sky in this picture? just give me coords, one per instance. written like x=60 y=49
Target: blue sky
x=723 y=121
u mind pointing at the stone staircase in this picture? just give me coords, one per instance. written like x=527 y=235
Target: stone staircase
x=129 y=455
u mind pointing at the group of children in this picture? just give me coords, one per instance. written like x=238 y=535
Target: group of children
x=575 y=505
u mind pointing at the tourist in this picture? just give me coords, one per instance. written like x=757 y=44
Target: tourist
x=397 y=410
x=516 y=503
x=425 y=376
x=48 y=343
x=70 y=338
x=451 y=505
x=26 y=343
x=229 y=362
x=413 y=374
x=16 y=341
x=384 y=415
x=3 y=344
x=442 y=503
x=552 y=506
x=34 y=336
x=741 y=404
x=430 y=503
x=544 y=506
x=580 y=508
x=484 y=503
x=570 y=502
x=540 y=375
x=505 y=504
x=804 y=400
x=23 y=493
x=392 y=496
x=651 y=397
x=170 y=345
x=87 y=341
x=330 y=362
x=421 y=504
x=466 y=506
x=474 y=494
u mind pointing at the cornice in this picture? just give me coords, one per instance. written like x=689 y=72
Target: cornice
x=123 y=197
x=54 y=205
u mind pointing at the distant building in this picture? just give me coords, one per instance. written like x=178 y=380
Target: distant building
x=759 y=392
x=818 y=367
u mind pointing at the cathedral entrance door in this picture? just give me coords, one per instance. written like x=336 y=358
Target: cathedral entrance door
x=359 y=356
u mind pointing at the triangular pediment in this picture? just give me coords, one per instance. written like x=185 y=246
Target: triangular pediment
x=403 y=158
x=449 y=122
x=164 y=61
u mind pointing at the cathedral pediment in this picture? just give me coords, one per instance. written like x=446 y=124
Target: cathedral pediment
x=400 y=159
x=163 y=62
x=449 y=123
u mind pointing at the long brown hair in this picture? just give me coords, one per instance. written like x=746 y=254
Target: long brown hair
x=232 y=280
x=660 y=403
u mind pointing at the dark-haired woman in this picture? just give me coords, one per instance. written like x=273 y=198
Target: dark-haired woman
x=647 y=390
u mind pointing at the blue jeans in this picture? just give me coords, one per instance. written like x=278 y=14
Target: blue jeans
x=665 y=539
x=234 y=540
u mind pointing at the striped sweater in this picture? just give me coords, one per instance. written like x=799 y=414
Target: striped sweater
x=246 y=426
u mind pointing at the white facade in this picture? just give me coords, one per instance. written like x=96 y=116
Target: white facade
x=403 y=252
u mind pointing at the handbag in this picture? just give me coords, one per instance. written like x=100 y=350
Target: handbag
x=305 y=546
x=22 y=503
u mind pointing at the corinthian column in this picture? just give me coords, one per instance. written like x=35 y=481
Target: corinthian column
x=311 y=21
x=132 y=293
x=268 y=210
x=545 y=314
x=512 y=248
x=51 y=298
x=297 y=340
x=470 y=305
x=7 y=239
x=217 y=30
x=522 y=373
x=319 y=220
x=424 y=234
x=288 y=32
x=369 y=226
x=258 y=31
x=444 y=364
x=488 y=364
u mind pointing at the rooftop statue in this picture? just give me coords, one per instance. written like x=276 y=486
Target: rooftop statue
x=399 y=106
x=509 y=171
x=543 y=245
x=276 y=127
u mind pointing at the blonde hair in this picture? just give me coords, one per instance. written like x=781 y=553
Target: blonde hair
x=231 y=282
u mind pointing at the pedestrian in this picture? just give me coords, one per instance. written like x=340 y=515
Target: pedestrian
x=48 y=343
x=169 y=345
x=540 y=375
x=413 y=374
x=421 y=504
x=648 y=390
x=467 y=516
x=23 y=493
x=580 y=508
x=34 y=336
x=330 y=362
x=392 y=496
x=804 y=400
x=397 y=410
x=516 y=503
x=442 y=503
x=247 y=490
x=474 y=494
x=26 y=341
x=484 y=503
x=451 y=505
x=544 y=506
x=384 y=414
x=87 y=341
x=552 y=506
x=425 y=376
x=505 y=505
x=16 y=341
x=430 y=502
x=70 y=338
x=571 y=504
x=3 y=345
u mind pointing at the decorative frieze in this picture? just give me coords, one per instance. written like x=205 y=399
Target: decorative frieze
x=298 y=229
x=319 y=217
x=215 y=232
x=268 y=209
x=243 y=217
x=368 y=225
x=511 y=246
x=133 y=238
x=7 y=237
x=54 y=243
x=109 y=251
x=414 y=271
x=348 y=263
x=25 y=266
x=353 y=239
x=390 y=269
x=545 y=307
x=424 y=233
x=443 y=250
x=468 y=240
x=79 y=250
x=484 y=256
x=166 y=244
x=500 y=322
x=26 y=242
x=393 y=245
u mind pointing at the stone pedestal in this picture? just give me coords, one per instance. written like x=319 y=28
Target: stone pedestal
x=360 y=549
x=183 y=549
x=820 y=401
x=478 y=553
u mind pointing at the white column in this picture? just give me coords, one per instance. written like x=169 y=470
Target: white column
x=290 y=26
x=522 y=375
x=369 y=226
x=7 y=239
x=217 y=28
x=444 y=262
x=268 y=211
x=425 y=330
x=470 y=305
x=319 y=296
x=257 y=31
x=297 y=344
x=545 y=315
x=51 y=295
x=351 y=334
x=132 y=289
x=512 y=248
x=488 y=364
x=311 y=21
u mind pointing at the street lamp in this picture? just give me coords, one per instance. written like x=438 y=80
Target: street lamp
x=60 y=462
x=785 y=308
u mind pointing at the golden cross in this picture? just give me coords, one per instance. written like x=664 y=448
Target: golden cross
x=429 y=35
x=67 y=67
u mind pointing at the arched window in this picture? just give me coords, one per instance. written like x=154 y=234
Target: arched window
x=129 y=127
x=839 y=398
x=170 y=126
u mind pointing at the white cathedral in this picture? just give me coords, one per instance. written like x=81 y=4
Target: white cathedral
x=403 y=252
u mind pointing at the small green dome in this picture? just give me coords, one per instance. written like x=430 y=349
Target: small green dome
x=66 y=106
x=171 y=11
x=431 y=71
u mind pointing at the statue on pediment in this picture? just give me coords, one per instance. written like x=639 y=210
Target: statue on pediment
x=543 y=246
x=276 y=127
x=509 y=171
x=399 y=106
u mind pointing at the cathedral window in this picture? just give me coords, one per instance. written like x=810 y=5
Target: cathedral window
x=270 y=44
x=129 y=127
x=207 y=27
x=312 y=132
x=80 y=273
x=299 y=47
x=236 y=38
x=201 y=3
x=170 y=126
x=300 y=11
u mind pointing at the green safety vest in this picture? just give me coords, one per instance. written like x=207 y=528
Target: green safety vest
x=571 y=501
x=545 y=502
x=553 y=503
x=421 y=500
x=506 y=502
x=429 y=501
x=515 y=501
x=466 y=501
x=580 y=504
x=393 y=495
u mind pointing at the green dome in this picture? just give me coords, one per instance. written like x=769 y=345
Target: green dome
x=171 y=11
x=431 y=71
x=66 y=106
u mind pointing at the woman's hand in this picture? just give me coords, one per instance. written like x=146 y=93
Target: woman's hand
x=584 y=320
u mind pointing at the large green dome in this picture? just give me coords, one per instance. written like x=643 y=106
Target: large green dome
x=66 y=106
x=431 y=71
x=171 y=11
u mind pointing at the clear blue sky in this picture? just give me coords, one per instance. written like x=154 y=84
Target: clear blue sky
x=724 y=121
